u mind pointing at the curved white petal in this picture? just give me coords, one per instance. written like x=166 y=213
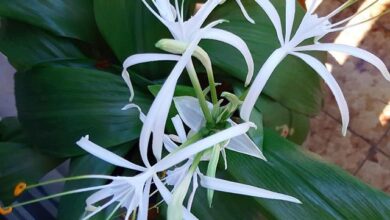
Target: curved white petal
x=242 y=189
x=290 y=14
x=243 y=144
x=273 y=15
x=144 y=204
x=170 y=146
x=166 y=10
x=179 y=127
x=143 y=58
x=190 y=112
x=238 y=43
x=333 y=85
x=244 y=12
x=194 y=188
x=132 y=105
x=203 y=144
x=106 y=155
x=148 y=57
x=156 y=118
x=167 y=196
x=196 y=21
x=261 y=79
x=356 y=52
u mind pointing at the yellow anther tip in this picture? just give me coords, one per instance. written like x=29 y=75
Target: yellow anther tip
x=19 y=189
x=5 y=211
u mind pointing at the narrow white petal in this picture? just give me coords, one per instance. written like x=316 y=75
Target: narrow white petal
x=242 y=189
x=158 y=112
x=243 y=144
x=144 y=204
x=196 y=21
x=179 y=127
x=244 y=12
x=190 y=112
x=126 y=78
x=290 y=14
x=194 y=188
x=273 y=15
x=261 y=79
x=142 y=58
x=333 y=85
x=165 y=9
x=356 y=52
x=203 y=144
x=170 y=146
x=106 y=155
x=167 y=196
x=132 y=105
x=238 y=43
x=99 y=195
x=148 y=57
x=100 y=208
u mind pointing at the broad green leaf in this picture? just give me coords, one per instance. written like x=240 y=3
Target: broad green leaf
x=293 y=83
x=66 y=18
x=326 y=191
x=11 y=131
x=288 y=123
x=57 y=105
x=130 y=28
x=73 y=206
x=25 y=45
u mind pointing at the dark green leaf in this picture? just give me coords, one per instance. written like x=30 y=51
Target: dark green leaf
x=21 y=163
x=293 y=83
x=66 y=18
x=26 y=46
x=59 y=104
x=326 y=191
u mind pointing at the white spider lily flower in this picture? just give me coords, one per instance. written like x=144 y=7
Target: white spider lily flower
x=189 y=32
x=191 y=114
x=133 y=192
x=182 y=176
x=315 y=27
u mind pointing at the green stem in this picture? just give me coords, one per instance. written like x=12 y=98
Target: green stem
x=199 y=93
x=213 y=90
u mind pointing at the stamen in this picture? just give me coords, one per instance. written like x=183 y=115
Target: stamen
x=5 y=210
x=359 y=23
x=19 y=189
x=356 y=14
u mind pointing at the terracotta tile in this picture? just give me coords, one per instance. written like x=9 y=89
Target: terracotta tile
x=326 y=140
x=376 y=172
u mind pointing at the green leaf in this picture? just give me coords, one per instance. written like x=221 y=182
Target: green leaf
x=57 y=105
x=326 y=191
x=288 y=123
x=293 y=83
x=65 y=18
x=19 y=161
x=130 y=28
x=73 y=206
x=25 y=50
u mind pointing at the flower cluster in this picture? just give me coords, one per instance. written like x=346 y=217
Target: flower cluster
x=204 y=130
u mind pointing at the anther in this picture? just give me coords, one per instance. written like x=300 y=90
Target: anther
x=5 y=211
x=19 y=189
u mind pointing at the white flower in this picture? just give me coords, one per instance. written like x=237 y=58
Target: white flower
x=311 y=26
x=182 y=176
x=189 y=32
x=190 y=112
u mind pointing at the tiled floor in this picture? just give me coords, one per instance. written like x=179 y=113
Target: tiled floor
x=365 y=151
